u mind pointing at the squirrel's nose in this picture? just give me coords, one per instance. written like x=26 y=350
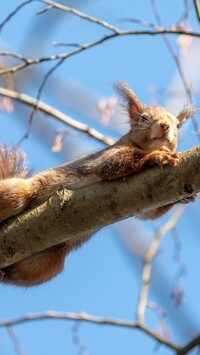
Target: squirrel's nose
x=165 y=127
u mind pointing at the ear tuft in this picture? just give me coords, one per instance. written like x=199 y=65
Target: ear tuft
x=134 y=105
x=188 y=111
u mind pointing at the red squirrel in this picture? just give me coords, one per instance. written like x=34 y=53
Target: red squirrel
x=152 y=139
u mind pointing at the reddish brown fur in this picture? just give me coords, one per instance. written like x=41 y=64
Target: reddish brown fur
x=152 y=140
x=40 y=268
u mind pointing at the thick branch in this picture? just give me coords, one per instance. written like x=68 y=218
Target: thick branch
x=70 y=214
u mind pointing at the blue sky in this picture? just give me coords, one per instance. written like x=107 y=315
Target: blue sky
x=103 y=277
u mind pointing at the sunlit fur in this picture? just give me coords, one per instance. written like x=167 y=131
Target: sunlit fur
x=151 y=140
x=146 y=121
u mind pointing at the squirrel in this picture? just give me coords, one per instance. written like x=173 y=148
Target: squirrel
x=152 y=139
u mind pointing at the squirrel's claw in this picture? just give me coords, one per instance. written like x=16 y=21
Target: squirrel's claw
x=163 y=157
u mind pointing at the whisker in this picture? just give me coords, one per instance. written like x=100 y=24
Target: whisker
x=195 y=132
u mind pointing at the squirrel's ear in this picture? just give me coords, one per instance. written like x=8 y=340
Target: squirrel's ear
x=188 y=111
x=134 y=105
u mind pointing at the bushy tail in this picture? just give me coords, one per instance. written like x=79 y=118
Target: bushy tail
x=12 y=162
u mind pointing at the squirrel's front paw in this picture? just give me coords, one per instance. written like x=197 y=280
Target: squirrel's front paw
x=162 y=157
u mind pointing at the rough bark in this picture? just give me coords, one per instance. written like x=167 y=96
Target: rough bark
x=69 y=214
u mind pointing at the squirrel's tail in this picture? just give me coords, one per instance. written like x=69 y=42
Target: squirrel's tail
x=12 y=162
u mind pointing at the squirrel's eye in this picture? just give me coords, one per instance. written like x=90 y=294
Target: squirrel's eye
x=144 y=118
x=178 y=125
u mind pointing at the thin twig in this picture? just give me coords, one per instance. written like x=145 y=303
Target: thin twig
x=82 y=15
x=91 y=319
x=171 y=50
x=7 y=78
x=191 y=345
x=77 y=340
x=13 y=13
x=51 y=111
x=85 y=317
x=48 y=8
x=186 y=13
x=149 y=255
x=29 y=62
x=177 y=61
x=39 y=94
x=13 y=336
x=140 y=22
x=197 y=9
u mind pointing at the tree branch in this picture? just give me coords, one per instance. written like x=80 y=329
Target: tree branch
x=60 y=116
x=197 y=9
x=81 y=14
x=192 y=344
x=13 y=336
x=14 y=12
x=85 y=317
x=96 y=206
x=172 y=52
x=27 y=62
x=148 y=258
x=91 y=319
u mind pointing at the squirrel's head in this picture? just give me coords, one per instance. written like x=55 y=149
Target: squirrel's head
x=152 y=127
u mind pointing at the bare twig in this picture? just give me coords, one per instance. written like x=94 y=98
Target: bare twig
x=85 y=317
x=48 y=8
x=186 y=13
x=29 y=62
x=13 y=336
x=39 y=94
x=149 y=255
x=67 y=316
x=177 y=61
x=82 y=15
x=91 y=319
x=197 y=9
x=76 y=339
x=49 y=110
x=16 y=56
x=7 y=78
x=191 y=345
x=66 y=44
x=140 y=22
x=171 y=50
x=13 y=13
